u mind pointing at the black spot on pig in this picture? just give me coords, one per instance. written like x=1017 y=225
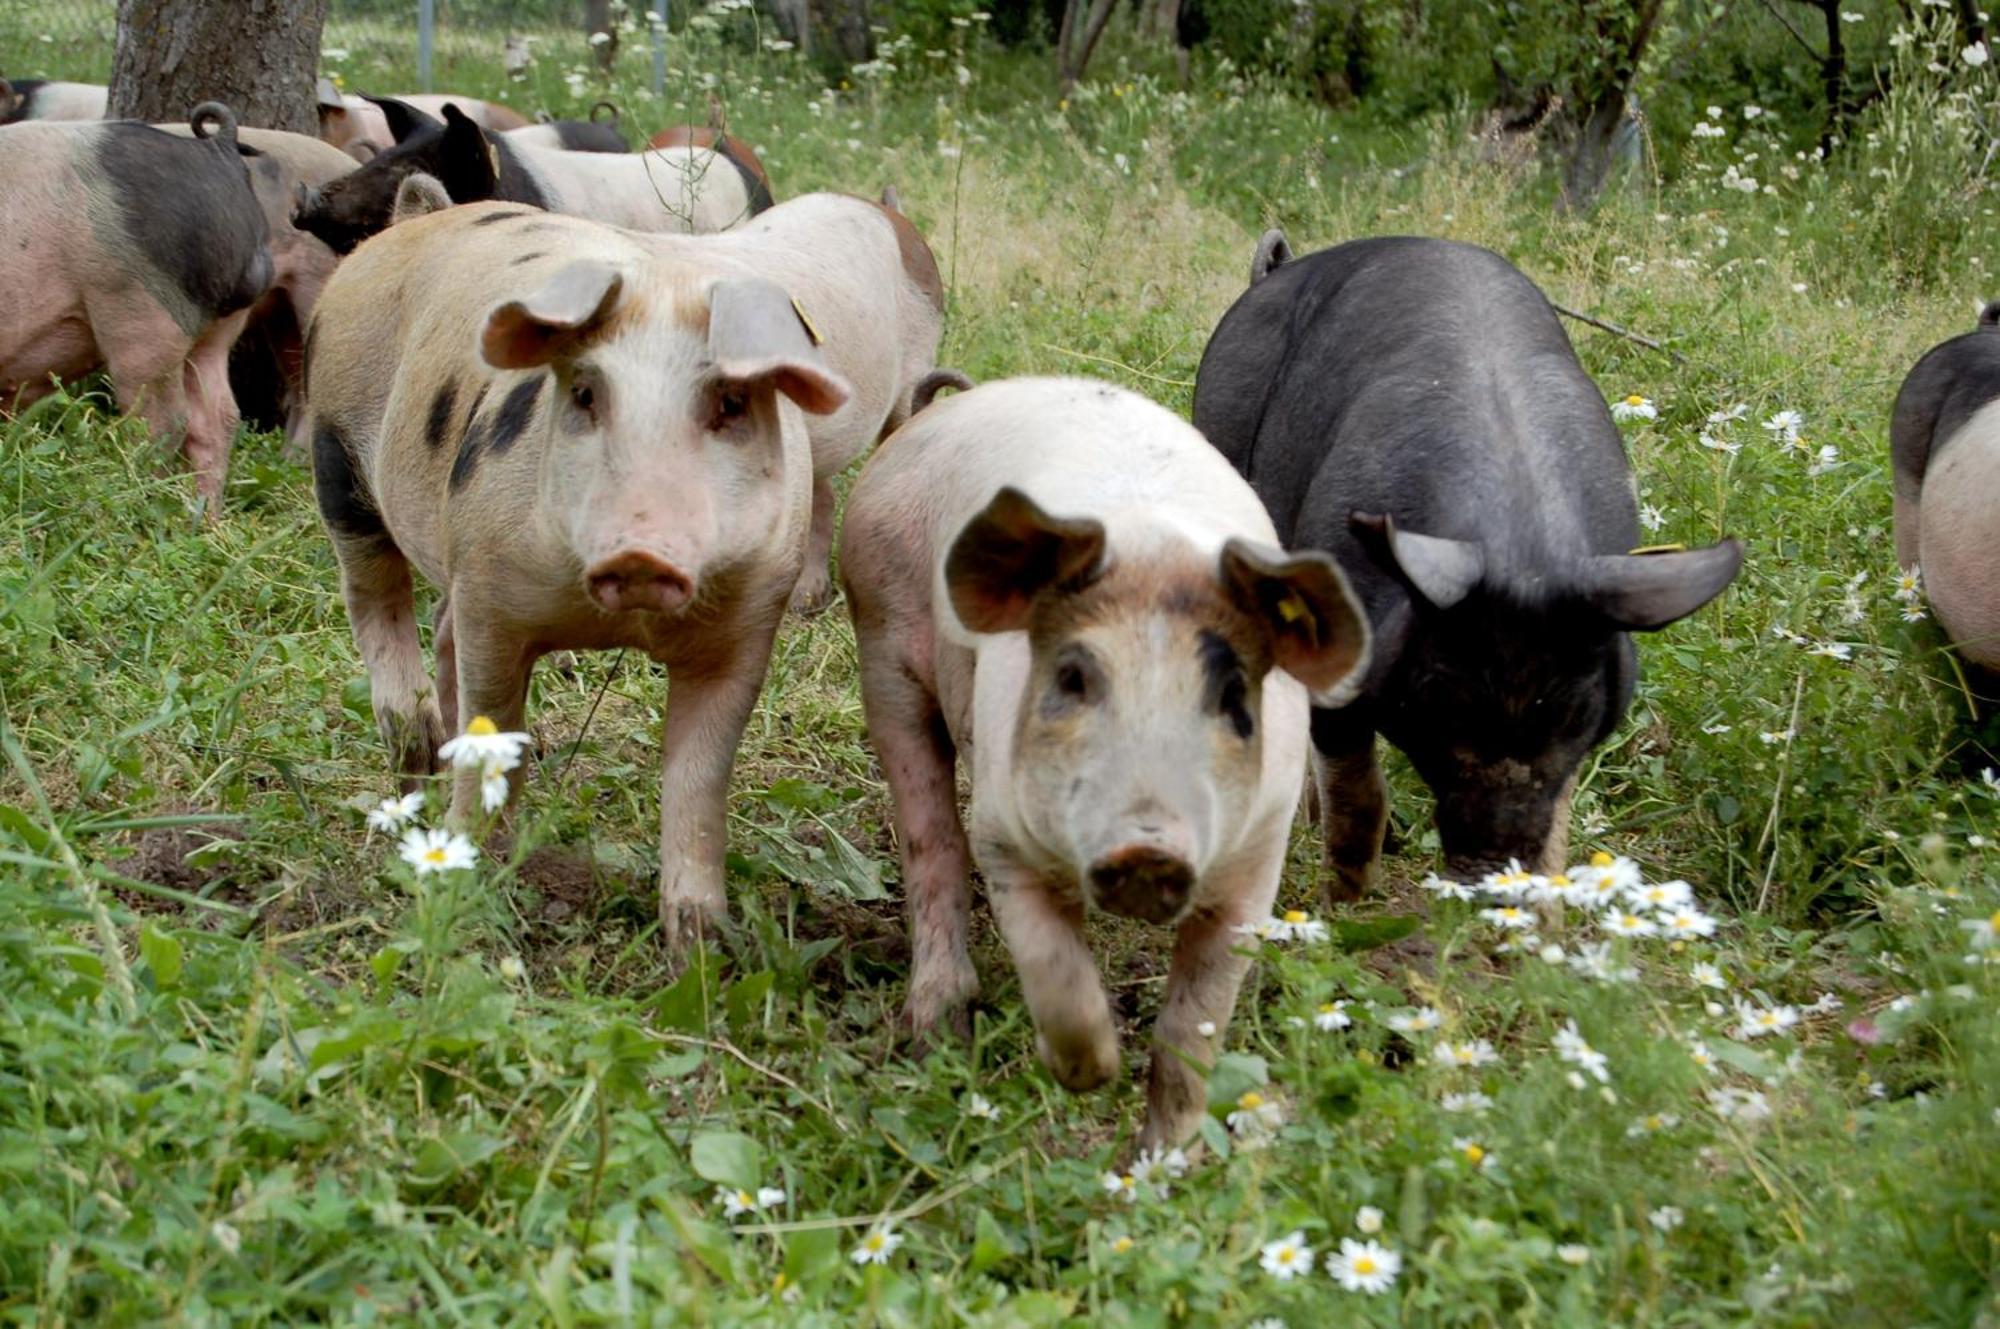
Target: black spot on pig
x=589 y=136
x=492 y=217
x=470 y=444
x=754 y=187
x=471 y=164
x=443 y=407
x=528 y=257
x=343 y=503
x=517 y=408
x=187 y=206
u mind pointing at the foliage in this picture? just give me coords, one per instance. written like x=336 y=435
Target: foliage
x=253 y=1068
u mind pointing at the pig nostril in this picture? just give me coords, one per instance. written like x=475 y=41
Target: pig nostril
x=1142 y=882
x=638 y=580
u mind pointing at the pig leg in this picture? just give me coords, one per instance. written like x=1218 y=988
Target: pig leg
x=1353 y=805
x=211 y=409
x=1555 y=849
x=1044 y=934
x=493 y=668
x=145 y=353
x=814 y=590
x=919 y=760
x=444 y=644
x=375 y=583
x=708 y=704
x=1210 y=959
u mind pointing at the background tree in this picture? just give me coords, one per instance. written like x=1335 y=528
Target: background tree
x=261 y=57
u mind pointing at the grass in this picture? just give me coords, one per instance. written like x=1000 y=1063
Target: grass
x=251 y=1070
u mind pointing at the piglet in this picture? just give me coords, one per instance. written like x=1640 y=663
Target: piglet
x=1944 y=443
x=1067 y=583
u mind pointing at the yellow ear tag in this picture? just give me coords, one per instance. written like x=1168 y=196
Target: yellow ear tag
x=1661 y=549
x=493 y=156
x=811 y=331
x=1290 y=609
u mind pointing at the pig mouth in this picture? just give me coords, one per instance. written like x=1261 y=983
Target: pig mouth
x=638 y=581
x=1142 y=883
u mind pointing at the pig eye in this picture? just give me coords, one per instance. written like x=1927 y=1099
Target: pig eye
x=731 y=405
x=1075 y=681
x=583 y=396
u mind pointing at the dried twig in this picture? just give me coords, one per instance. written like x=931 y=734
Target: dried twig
x=724 y=1045
x=979 y=1176
x=1617 y=331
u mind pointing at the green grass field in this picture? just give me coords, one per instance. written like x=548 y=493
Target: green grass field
x=252 y=1070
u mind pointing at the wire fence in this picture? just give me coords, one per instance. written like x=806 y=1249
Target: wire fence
x=397 y=45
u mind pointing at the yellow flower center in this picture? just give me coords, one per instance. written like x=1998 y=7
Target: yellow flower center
x=743 y=1198
x=1473 y=1153
x=1251 y=1101
x=1513 y=879
x=1295 y=915
x=1286 y=1255
x=1561 y=879
x=1364 y=1265
x=1635 y=400
x=482 y=727
x=1994 y=922
x=1600 y=859
x=874 y=1242
x=433 y=855
x=1122 y=1245
x=1653 y=1123
x=778 y=1283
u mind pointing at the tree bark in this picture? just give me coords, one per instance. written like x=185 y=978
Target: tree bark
x=1601 y=110
x=596 y=19
x=1074 y=50
x=259 y=57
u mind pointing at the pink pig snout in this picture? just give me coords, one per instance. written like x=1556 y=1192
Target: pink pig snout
x=1144 y=880
x=638 y=580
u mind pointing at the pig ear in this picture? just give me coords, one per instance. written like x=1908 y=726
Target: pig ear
x=553 y=322
x=1013 y=551
x=1319 y=634
x=403 y=119
x=329 y=96
x=756 y=332
x=1442 y=571
x=1641 y=592
x=418 y=195
x=1273 y=251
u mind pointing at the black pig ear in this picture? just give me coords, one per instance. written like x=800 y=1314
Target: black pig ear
x=402 y=118
x=1442 y=571
x=1319 y=634
x=1641 y=592
x=1013 y=551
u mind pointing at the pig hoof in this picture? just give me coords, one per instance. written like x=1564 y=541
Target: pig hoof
x=1346 y=885
x=813 y=594
x=1081 y=1067
x=684 y=923
x=935 y=1025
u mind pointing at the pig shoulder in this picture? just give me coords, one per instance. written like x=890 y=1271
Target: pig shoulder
x=1942 y=391
x=186 y=207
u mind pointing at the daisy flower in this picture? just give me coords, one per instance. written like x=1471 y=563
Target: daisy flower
x=437 y=851
x=1470 y=1054
x=1785 y=425
x=1294 y=925
x=1124 y=1185
x=1625 y=923
x=1445 y=888
x=1475 y=1103
x=1508 y=916
x=493 y=785
x=1422 y=1020
x=1728 y=415
x=1714 y=444
x=1985 y=932
x=1255 y=1116
x=1707 y=975
x=1332 y=1015
x=1364 y=1266
x=1744 y=1106
x=1914 y=614
x=1593 y=959
x=1666 y=1218
x=1660 y=894
x=1613 y=872
x=1368 y=1220
x=1699 y=1054
x=737 y=1202
x=1472 y=1152
x=1909 y=583
x=1634 y=407
x=481 y=743
x=392 y=814
x=1686 y=921
x=1155 y=1168
x=876 y=1248
x=1573 y=1254
x=1572 y=1048
x=1287 y=1257
x=1122 y=1245
x=1652 y=1124
x=1511 y=884
x=1754 y=1021
x=979 y=1106
x=1561 y=888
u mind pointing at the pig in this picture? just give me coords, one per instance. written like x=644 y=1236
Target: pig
x=1065 y=582
x=266 y=364
x=138 y=251
x=592 y=135
x=682 y=189
x=356 y=125
x=42 y=99
x=756 y=180
x=1412 y=407
x=587 y=437
x=1944 y=448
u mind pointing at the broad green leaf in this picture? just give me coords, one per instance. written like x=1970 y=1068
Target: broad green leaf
x=162 y=954
x=728 y=1159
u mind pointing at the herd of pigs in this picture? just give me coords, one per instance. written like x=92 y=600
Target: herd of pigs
x=598 y=399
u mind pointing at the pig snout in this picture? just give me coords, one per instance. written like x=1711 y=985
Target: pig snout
x=638 y=580
x=1142 y=881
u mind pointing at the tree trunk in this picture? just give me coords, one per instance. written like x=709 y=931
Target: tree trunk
x=1597 y=112
x=1833 y=74
x=597 y=19
x=259 y=57
x=1073 y=51
x=844 y=23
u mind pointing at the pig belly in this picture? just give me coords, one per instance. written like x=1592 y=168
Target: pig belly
x=48 y=337
x=1960 y=538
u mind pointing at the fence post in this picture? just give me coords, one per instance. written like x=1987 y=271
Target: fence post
x=660 y=48
x=426 y=40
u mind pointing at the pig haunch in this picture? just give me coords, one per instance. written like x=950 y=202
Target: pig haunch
x=1944 y=444
x=1465 y=473
x=138 y=251
x=1065 y=583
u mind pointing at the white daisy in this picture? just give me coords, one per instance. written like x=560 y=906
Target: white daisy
x=1368 y=1220
x=1422 y=1020
x=876 y=1248
x=392 y=814
x=1364 y=1266
x=1785 y=425
x=979 y=1106
x=1475 y=1103
x=1652 y=1124
x=1445 y=888
x=1470 y=1054
x=1473 y=1152
x=1508 y=916
x=437 y=851
x=1755 y=1021
x=1332 y=1015
x=1666 y=1218
x=1687 y=921
x=1560 y=888
x=1660 y=894
x=1512 y=884
x=1571 y=1047
x=1124 y=1185
x=1909 y=583
x=1626 y=923
x=481 y=743
x=1287 y=1257
x=493 y=786
x=1571 y=1253
x=1985 y=932
x=1744 y=1106
x=1255 y=1117
x=1634 y=407
x=1707 y=975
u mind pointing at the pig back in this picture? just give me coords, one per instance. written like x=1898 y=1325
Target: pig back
x=1942 y=391
x=1422 y=379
